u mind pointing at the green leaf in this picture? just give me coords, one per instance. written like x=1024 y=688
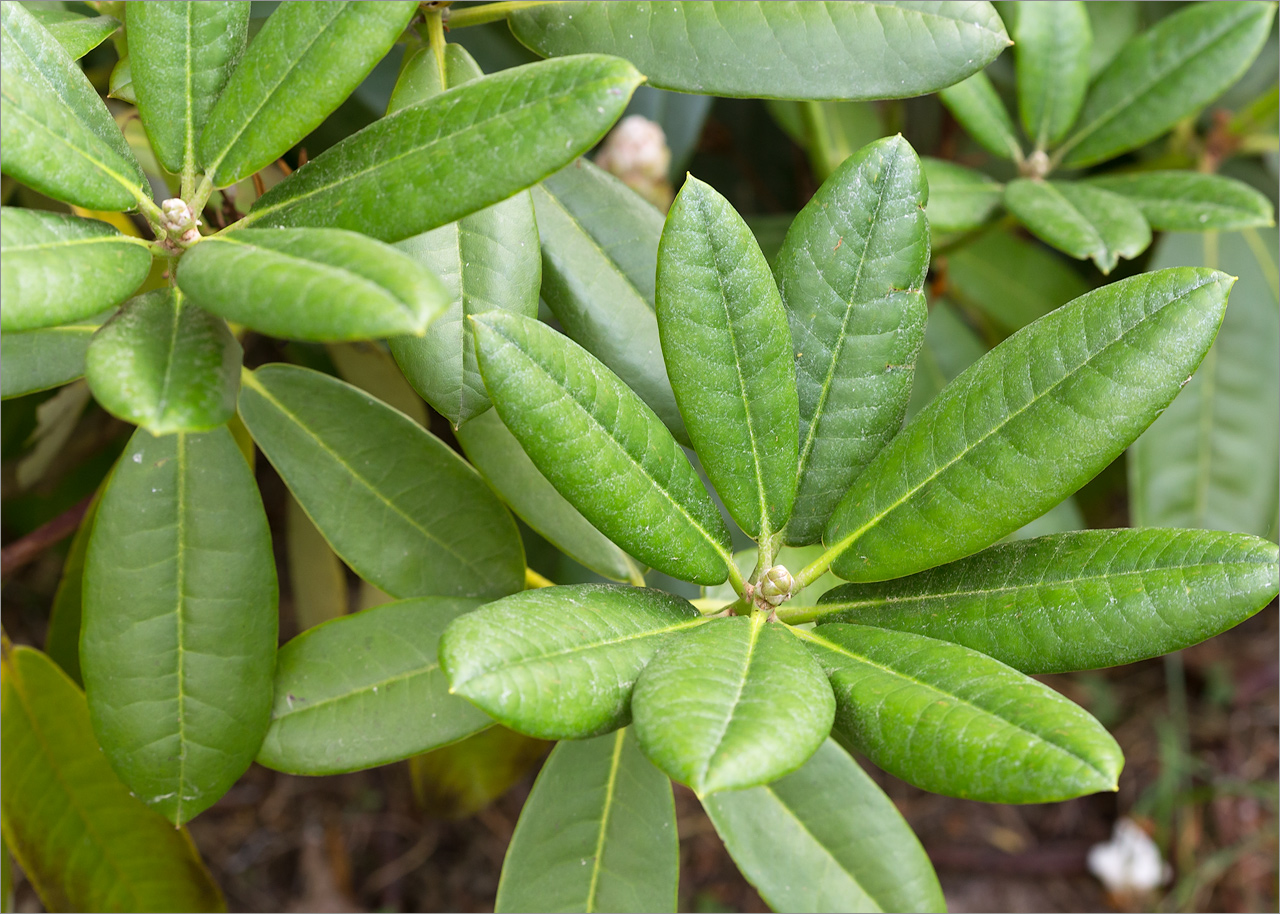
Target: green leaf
x=1053 y=46
x=853 y=50
x=602 y=448
x=847 y=848
x=953 y=721
x=165 y=365
x=43 y=359
x=366 y=690
x=415 y=170
x=1113 y=23
x=975 y=104
x=60 y=269
x=728 y=353
x=311 y=284
x=1075 y=601
x=179 y=632
x=950 y=346
x=55 y=133
x=560 y=662
x=299 y=68
x=317 y=577
x=1011 y=280
x=81 y=838
x=598 y=833
x=851 y=273
x=736 y=703
x=120 y=84
x=397 y=504
x=486 y=260
x=1188 y=201
x=81 y=34
x=599 y=259
x=369 y=366
x=960 y=199
x=1170 y=71
x=1080 y=219
x=1209 y=460
x=180 y=58
x=977 y=463
x=496 y=453
x=62 y=640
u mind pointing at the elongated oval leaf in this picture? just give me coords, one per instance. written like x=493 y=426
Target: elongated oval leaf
x=85 y=842
x=737 y=703
x=853 y=50
x=1188 y=201
x=977 y=463
x=975 y=104
x=179 y=636
x=851 y=273
x=396 y=503
x=951 y=720
x=416 y=169
x=1054 y=42
x=1080 y=220
x=826 y=838
x=311 y=284
x=1011 y=280
x=960 y=199
x=61 y=269
x=365 y=690
x=43 y=359
x=560 y=662
x=598 y=833
x=304 y=63
x=164 y=364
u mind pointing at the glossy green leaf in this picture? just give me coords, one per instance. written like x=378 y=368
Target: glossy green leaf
x=164 y=364
x=486 y=260
x=960 y=199
x=1053 y=43
x=461 y=779
x=736 y=703
x=62 y=639
x=180 y=58
x=43 y=359
x=598 y=833
x=1210 y=459
x=853 y=50
x=1011 y=280
x=79 y=35
x=599 y=259
x=975 y=104
x=728 y=354
x=851 y=273
x=953 y=721
x=602 y=448
x=81 y=838
x=977 y=463
x=317 y=577
x=1164 y=74
x=560 y=662
x=1188 y=201
x=55 y=133
x=305 y=61
x=1080 y=220
x=416 y=169
x=396 y=503
x=1113 y=23
x=365 y=690
x=179 y=582
x=311 y=284
x=950 y=346
x=60 y=269
x=844 y=845
x=496 y=453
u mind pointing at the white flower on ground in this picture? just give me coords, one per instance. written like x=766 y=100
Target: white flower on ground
x=1130 y=862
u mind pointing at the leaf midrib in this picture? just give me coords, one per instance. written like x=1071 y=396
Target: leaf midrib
x=610 y=788
x=757 y=624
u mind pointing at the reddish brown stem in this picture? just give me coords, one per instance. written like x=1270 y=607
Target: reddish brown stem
x=25 y=550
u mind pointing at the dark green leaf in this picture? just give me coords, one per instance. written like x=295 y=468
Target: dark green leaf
x=960 y=199
x=1188 y=201
x=1010 y=280
x=978 y=108
x=81 y=34
x=1080 y=219
x=62 y=640
x=1053 y=42
x=43 y=359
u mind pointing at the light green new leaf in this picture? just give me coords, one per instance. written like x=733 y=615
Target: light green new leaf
x=120 y=83
x=849 y=50
x=977 y=463
x=560 y=662
x=81 y=838
x=845 y=845
x=302 y=65
x=1080 y=219
x=420 y=167
x=366 y=690
x=1075 y=601
x=55 y=133
x=602 y=448
x=598 y=833
x=1164 y=74
x=164 y=364
x=180 y=57
x=1188 y=201
x=953 y=721
x=599 y=259
x=43 y=359
x=1053 y=43
x=851 y=274
x=396 y=503
x=311 y=284
x=737 y=703
x=975 y=104
x=728 y=354
x=179 y=631
x=60 y=269
x=950 y=346
x=960 y=199
x=1011 y=280
x=79 y=35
